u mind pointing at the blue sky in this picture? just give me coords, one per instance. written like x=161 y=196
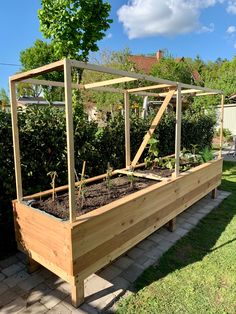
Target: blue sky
x=184 y=27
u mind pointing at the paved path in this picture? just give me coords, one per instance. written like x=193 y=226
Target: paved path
x=43 y=292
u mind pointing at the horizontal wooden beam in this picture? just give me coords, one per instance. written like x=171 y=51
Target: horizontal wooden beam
x=74 y=85
x=103 y=69
x=109 y=82
x=142 y=175
x=206 y=94
x=58 y=65
x=144 y=88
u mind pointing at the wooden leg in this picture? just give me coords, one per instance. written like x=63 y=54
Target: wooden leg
x=32 y=265
x=214 y=193
x=172 y=225
x=77 y=294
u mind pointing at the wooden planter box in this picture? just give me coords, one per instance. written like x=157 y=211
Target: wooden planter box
x=73 y=251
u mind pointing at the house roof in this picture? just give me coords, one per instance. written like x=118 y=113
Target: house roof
x=143 y=63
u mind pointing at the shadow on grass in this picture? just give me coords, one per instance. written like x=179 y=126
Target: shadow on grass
x=201 y=240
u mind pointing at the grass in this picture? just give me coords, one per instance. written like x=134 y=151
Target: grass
x=198 y=274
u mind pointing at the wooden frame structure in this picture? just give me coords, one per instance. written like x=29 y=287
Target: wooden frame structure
x=76 y=248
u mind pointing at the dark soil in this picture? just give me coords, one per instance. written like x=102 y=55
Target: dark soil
x=97 y=195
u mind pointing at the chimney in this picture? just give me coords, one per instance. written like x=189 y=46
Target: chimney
x=159 y=54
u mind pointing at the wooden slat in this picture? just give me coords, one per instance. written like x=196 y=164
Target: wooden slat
x=178 y=129
x=127 y=129
x=153 y=127
x=206 y=94
x=58 y=65
x=73 y=85
x=70 y=140
x=142 y=175
x=144 y=88
x=109 y=82
x=16 y=145
x=221 y=124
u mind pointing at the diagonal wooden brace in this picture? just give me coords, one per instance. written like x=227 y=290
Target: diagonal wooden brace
x=154 y=124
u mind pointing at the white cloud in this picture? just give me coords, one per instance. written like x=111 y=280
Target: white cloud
x=231 y=6
x=231 y=29
x=109 y=35
x=142 y=18
x=207 y=29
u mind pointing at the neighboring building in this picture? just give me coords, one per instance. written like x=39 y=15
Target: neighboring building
x=23 y=102
x=229 y=117
x=145 y=63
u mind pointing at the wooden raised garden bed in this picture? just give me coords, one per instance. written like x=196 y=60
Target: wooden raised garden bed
x=75 y=248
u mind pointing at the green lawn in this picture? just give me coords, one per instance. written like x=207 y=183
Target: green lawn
x=198 y=274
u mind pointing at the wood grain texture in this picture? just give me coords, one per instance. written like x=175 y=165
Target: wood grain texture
x=106 y=235
x=42 y=236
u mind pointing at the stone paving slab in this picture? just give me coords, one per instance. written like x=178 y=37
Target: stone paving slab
x=44 y=292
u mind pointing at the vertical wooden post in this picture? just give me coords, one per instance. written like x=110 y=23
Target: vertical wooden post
x=214 y=193
x=172 y=225
x=178 y=129
x=77 y=293
x=16 y=145
x=221 y=125
x=127 y=129
x=32 y=265
x=70 y=139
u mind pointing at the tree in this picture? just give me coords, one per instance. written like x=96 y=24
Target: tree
x=170 y=69
x=4 y=99
x=41 y=53
x=74 y=26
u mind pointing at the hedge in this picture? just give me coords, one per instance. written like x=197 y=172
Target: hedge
x=43 y=149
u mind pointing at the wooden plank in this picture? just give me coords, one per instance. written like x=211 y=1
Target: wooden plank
x=110 y=249
x=43 y=237
x=221 y=125
x=206 y=94
x=109 y=82
x=142 y=175
x=186 y=91
x=16 y=144
x=178 y=129
x=125 y=212
x=55 y=66
x=127 y=129
x=153 y=127
x=70 y=140
x=145 y=88
x=73 y=85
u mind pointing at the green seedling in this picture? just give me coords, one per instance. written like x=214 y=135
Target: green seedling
x=53 y=175
x=153 y=152
x=108 y=178
x=82 y=185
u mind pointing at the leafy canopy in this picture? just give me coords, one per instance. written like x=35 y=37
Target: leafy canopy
x=74 y=25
